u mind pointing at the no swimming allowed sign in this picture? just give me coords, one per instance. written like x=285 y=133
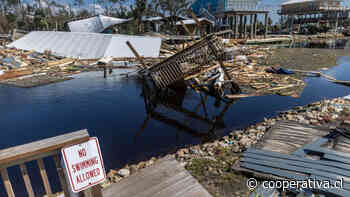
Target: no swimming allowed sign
x=84 y=165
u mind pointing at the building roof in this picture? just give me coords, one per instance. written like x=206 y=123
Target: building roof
x=87 y=45
x=95 y=24
x=192 y=21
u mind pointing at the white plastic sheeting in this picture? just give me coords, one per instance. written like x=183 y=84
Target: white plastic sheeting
x=87 y=45
x=95 y=24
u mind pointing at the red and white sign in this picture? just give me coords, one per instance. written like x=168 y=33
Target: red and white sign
x=84 y=165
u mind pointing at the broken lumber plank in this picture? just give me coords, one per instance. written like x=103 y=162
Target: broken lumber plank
x=61 y=62
x=138 y=57
x=281 y=88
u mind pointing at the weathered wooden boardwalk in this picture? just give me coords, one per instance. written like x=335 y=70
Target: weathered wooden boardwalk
x=167 y=178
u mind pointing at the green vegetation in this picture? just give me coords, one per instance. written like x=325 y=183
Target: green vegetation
x=55 y=14
x=217 y=174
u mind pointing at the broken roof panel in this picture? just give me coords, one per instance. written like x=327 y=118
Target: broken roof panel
x=87 y=45
x=145 y=46
x=295 y=1
x=95 y=24
x=192 y=21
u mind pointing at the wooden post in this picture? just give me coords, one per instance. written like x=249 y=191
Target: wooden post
x=27 y=181
x=13 y=37
x=245 y=27
x=236 y=26
x=240 y=25
x=105 y=71
x=44 y=176
x=7 y=182
x=186 y=29
x=251 y=26
x=138 y=57
x=266 y=24
x=255 y=24
x=201 y=32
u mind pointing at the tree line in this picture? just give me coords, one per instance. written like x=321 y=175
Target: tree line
x=53 y=14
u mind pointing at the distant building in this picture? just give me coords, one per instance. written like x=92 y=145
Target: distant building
x=299 y=12
x=233 y=14
x=217 y=6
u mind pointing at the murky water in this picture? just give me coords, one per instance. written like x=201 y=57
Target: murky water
x=327 y=44
x=113 y=109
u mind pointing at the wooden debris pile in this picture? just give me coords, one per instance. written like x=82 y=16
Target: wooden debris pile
x=249 y=72
x=255 y=79
x=29 y=68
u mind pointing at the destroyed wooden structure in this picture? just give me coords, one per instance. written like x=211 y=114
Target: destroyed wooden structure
x=300 y=152
x=237 y=21
x=174 y=101
x=190 y=60
x=37 y=151
x=190 y=25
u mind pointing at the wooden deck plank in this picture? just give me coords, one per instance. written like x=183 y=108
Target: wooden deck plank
x=322 y=167
x=47 y=145
x=292 y=168
x=165 y=179
x=295 y=158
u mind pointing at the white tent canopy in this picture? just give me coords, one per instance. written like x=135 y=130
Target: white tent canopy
x=95 y=24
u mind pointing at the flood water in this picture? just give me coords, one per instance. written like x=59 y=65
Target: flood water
x=327 y=44
x=113 y=110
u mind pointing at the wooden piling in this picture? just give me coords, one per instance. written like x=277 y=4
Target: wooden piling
x=251 y=26
x=255 y=24
x=266 y=24
x=245 y=27
x=105 y=72
x=236 y=26
x=240 y=25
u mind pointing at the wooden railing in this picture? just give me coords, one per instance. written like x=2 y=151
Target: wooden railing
x=51 y=147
